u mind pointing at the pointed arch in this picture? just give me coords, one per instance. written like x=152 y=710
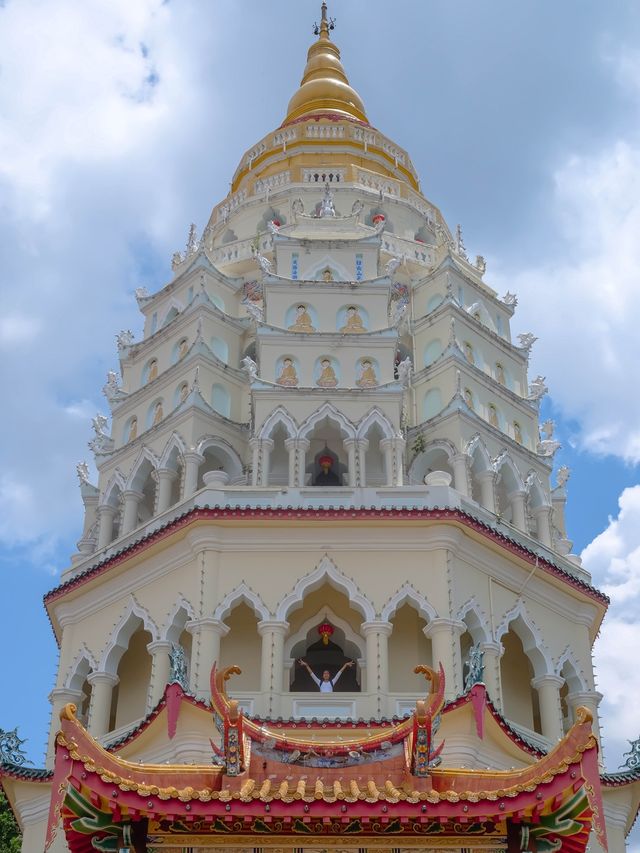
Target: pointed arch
x=279 y=416
x=241 y=593
x=326 y=570
x=324 y=613
x=173 y=450
x=181 y=612
x=83 y=663
x=174 y=308
x=327 y=410
x=133 y=617
x=145 y=463
x=475 y=619
x=485 y=317
x=503 y=462
x=408 y=594
x=568 y=668
x=433 y=451
x=324 y=262
x=375 y=416
x=536 y=495
x=519 y=620
x=477 y=452
x=225 y=452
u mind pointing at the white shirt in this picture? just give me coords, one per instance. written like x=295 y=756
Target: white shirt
x=325 y=686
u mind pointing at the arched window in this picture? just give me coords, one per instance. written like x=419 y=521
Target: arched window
x=220 y=349
x=469 y=400
x=150 y=371
x=519 y=698
x=129 y=697
x=517 y=432
x=493 y=418
x=432 y=403
x=221 y=400
x=500 y=375
x=432 y=352
x=182 y=392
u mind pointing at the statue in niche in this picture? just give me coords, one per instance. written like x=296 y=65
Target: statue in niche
x=82 y=470
x=158 y=413
x=327 y=476
x=327 y=378
x=327 y=275
x=367 y=378
x=468 y=353
x=327 y=207
x=493 y=416
x=288 y=376
x=475 y=667
x=183 y=348
x=500 y=374
x=153 y=370
x=303 y=321
x=517 y=432
x=468 y=398
x=133 y=429
x=354 y=324
x=184 y=392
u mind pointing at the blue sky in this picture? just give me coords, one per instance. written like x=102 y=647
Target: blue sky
x=121 y=123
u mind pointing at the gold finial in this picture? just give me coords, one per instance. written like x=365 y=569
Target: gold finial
x=325 y=87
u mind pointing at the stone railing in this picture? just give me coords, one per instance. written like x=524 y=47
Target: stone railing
x=417 y=253
x=373 y=181
x=252 y=155
x=325 y=175
x=325 y=131
x=284 y=137
x=230 y=205
x=241 y=250
x=272 y=182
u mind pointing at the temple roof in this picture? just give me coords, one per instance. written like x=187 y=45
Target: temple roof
x=324 y=87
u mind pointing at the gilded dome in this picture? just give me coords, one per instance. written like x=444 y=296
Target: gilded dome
x=324 y=86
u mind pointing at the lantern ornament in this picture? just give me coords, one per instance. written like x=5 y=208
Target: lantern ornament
x=325 y=630
x=378 y=218
x=325 y=463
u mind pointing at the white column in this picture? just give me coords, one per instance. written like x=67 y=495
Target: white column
x=487 y=481
x=206 y=633
x=377 y=636
x=518 y=519
x=160 y=670
x=106 y=514
x=297 y=449
x=398 y=454
x=542 y=515
x=588 y=699
x=352 y=462
x=460 y=464
x=102 y=684
x=445 y=643
x=492 y=654
x=166 y=478
x=393 y=454
x=59 y=697
x=548 y=687
x=362 y=445
x=192 y=462
x=132 y=499
x=272 y=666
x=261 y=448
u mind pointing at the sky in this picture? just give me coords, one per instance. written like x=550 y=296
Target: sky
x=121 y=123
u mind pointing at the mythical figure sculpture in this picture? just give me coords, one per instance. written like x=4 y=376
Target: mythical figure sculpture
x=124 y=339
x=475 y=664
x=481 y=264
x=400 y=314
x=11 y=751
x=357 y=208
x=327 y=207
x=537 y=388
x=297 y=207
x=82 y=470
x=192 y=241
x=178 y=671
x=547 y=446
x=264 y=263
x=547 y=429
x=510 y=299
x=249 y=365
x=527 y=340
x=142 y=293
x=459 y=247
x=176 y=260
x=633 y=760
x=392 y=265
x=562 y=477
x=112 y=390
x=255 y=311
x=405 y=368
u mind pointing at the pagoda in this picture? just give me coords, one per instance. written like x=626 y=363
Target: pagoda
x=324 y=596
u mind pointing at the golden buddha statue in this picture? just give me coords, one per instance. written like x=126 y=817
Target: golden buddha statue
x=158 y=413
x=133 y=429
x=184 y=392
x=288 y=376
x=517 y=432
x=153 y=370
x=367 y=378
x=468 y=398
x=303 y=321
x=354 y=324
x=183 y=348
x=327 y=275
x=327 y=378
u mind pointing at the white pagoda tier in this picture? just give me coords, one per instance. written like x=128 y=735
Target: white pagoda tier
x=325 y=425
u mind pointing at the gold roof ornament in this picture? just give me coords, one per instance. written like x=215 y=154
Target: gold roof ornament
x=324 y=87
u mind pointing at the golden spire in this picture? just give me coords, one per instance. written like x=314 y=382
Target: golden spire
x=324 y=87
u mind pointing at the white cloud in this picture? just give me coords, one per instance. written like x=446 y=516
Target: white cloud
x=613 y=558
x=18 y=329
x=583 y=301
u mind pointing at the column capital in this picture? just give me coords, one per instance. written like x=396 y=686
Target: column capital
x=461 y=457
x=261 y=442
x=159 y=646
x=582 y=696
x=272 y=626
x=547 y=679
x=485 y=476
x=493 y=648
x=377 y=626
x=395 y=441
x=64 y=695
x=517 y=493
x=297 y=443
x=133 y=493
x=441 y=624
x=166 y=474
x=193 y=456
x=207 y=623
x=356 y=442
x=108 y=678
x=105 y=509
x=540 y=510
